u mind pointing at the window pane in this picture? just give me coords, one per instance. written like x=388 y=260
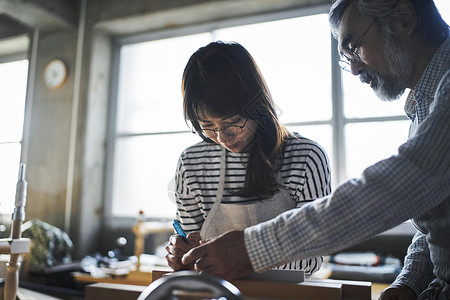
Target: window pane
x=9 y=174
x=367 y=143
x=13 y=86
x=361 y=102
x=295 y=62
x=143 y=167
x=149 y=98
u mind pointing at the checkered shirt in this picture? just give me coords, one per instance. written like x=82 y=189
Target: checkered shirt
x=396 y=189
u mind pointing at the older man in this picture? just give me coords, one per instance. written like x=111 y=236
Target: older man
x=391 y=45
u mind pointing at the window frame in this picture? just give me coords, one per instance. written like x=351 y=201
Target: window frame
x=337 y=122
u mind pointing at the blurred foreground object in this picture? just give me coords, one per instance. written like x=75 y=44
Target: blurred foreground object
x=141 y=229
x=50 y=246
x=181 y=282
x=16 y=245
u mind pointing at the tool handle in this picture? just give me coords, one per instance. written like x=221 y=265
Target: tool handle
x=12 y=277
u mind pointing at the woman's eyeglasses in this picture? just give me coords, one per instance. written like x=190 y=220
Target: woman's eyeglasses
x=230 y=130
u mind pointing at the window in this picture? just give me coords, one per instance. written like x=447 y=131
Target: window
x=13 y=85
x=148 y=132
x=373 y=129
x=298 y=76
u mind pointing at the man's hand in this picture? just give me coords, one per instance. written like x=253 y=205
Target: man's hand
x=177 y=247
x=224 y=256
x=398 y=293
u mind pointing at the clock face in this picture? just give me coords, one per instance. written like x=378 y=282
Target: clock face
x=55 y=74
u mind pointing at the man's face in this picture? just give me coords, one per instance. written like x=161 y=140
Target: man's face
x=384 y=62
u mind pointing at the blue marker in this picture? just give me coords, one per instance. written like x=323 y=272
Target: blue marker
x=179 y=230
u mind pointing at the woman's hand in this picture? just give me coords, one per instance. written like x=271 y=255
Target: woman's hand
x=177 y=247
x=224 y=256
x=398 y=293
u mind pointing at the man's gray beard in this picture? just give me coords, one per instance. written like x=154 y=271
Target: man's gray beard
x=392 y=82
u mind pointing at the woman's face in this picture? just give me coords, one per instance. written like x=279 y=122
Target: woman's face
x=234 y=133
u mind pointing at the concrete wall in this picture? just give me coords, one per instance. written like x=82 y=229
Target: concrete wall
x=49 y=135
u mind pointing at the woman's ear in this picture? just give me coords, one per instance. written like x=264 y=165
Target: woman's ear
x=407 y=18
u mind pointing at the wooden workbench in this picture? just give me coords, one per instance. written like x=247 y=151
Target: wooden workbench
x=322 y=289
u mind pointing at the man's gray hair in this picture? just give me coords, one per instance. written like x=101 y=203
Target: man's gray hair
x=430 y=23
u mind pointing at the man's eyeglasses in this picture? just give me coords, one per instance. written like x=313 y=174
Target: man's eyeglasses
x=349 y=56
x=230 y=130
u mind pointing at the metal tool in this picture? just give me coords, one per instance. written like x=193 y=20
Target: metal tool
x=166 y=287
x=16 y=245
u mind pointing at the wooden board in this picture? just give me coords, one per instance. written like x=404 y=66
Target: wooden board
x=281 y=290
x=113 y=291
x=311 y=289
x=350 y=289
x=133 y=278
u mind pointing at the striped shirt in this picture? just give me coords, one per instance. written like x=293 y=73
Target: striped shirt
x=304 y=170
x=409 y=184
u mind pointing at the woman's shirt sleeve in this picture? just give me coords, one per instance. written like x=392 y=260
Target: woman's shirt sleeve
x=315 y=182
x=188 y=208
x=318 y=175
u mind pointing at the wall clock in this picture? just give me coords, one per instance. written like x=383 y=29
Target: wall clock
x=55 y=74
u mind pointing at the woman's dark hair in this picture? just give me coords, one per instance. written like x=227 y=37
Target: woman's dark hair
x=222 y=80
x=429 y=21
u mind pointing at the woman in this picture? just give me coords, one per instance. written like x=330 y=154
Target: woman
x=249 y=168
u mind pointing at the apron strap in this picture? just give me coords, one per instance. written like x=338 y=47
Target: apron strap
x=219 y=196
x=223 y=168
x=284 y=192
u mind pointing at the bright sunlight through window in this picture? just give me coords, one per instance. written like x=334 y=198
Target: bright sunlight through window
x=13 y=84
